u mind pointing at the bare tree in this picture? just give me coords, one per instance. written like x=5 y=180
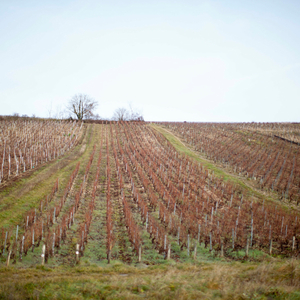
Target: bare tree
x=97 y=117
x=134 y=114
x=50 y=111
x=82 y=106
x=121 y=114
x=59 y=113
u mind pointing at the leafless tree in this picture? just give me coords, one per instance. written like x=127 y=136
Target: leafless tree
x=97 y=117
x=82 y=106
x=49 y=110
x=121 y=114
x=134 y=114
x=59 y=113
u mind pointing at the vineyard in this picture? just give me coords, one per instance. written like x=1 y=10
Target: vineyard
x=130 y=196
x=25 y=145
x=267 y=153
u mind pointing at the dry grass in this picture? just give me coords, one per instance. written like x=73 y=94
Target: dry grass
x=269 y=280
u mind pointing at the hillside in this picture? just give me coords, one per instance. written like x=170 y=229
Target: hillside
x=132 y=210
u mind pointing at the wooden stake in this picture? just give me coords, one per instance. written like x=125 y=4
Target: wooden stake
x=54 y=215
x=195 y=251
x=59 y=242
x=169 y=252
x=43 y=254
x=140 y=254
x=108 y=256
x=8 y=258
x=293 y=246
x=22 y=247
x=251 y=242
x=199 y=231
x=32 y=240
x=53 y=244
x=17 y=231
x=77 y=253
x=222 y=249
x=188 y=245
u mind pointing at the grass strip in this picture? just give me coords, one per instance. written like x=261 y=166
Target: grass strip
x=268 y=280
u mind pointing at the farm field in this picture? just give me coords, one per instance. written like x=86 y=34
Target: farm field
x=130 y=210
x=265 y=153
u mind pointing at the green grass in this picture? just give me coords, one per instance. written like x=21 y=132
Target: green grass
x=200 y=280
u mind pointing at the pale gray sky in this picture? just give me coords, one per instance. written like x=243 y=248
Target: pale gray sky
x=174 y=60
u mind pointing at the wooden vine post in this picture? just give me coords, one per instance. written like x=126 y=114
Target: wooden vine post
x=195 y=250
x=169 y=252
x=8 y=258
x=43 y=254
x=247 y=247
x=140 y=254
x=109 y=255
x=222 y=249
x=77 y=254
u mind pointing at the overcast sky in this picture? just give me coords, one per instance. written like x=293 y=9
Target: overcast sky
x=174 y=60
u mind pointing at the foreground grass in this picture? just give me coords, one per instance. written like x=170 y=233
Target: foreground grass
x=235 y=280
